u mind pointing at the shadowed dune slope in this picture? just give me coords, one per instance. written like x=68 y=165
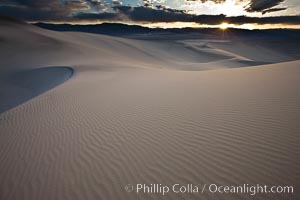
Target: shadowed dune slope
x=21 y=86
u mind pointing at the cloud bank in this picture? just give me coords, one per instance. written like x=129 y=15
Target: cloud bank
x=144 y=14
x=152 y=11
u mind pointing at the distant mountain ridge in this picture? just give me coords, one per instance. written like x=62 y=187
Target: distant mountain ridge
x=119 y=29
x=105 y=28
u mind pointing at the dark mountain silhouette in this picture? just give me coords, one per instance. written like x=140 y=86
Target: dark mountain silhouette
x=118 y=29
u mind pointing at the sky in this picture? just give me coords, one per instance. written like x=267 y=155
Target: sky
x=249 y=14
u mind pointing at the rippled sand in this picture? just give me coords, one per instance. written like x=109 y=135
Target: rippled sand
x=132 y=113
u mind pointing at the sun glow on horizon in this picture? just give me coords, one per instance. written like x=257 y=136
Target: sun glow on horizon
x=224 y=26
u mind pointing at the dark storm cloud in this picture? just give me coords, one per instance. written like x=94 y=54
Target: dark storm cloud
x=41 y=4
x=272 y=10
x=30 y=14
x=98 y=17
x=30 y=10
x=263 y=5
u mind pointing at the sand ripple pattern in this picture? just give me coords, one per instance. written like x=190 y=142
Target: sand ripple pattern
x=88 y=138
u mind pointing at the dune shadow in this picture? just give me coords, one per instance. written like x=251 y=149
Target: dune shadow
x=21 y=86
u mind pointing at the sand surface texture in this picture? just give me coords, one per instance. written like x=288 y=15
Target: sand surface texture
x=188 y=112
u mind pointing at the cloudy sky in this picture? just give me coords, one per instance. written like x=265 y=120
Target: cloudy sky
x=188 y=12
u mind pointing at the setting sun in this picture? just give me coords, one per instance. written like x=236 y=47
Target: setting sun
x=224 y=26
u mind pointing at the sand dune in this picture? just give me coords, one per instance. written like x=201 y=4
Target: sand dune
x=135 y=113
x=256 y=51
